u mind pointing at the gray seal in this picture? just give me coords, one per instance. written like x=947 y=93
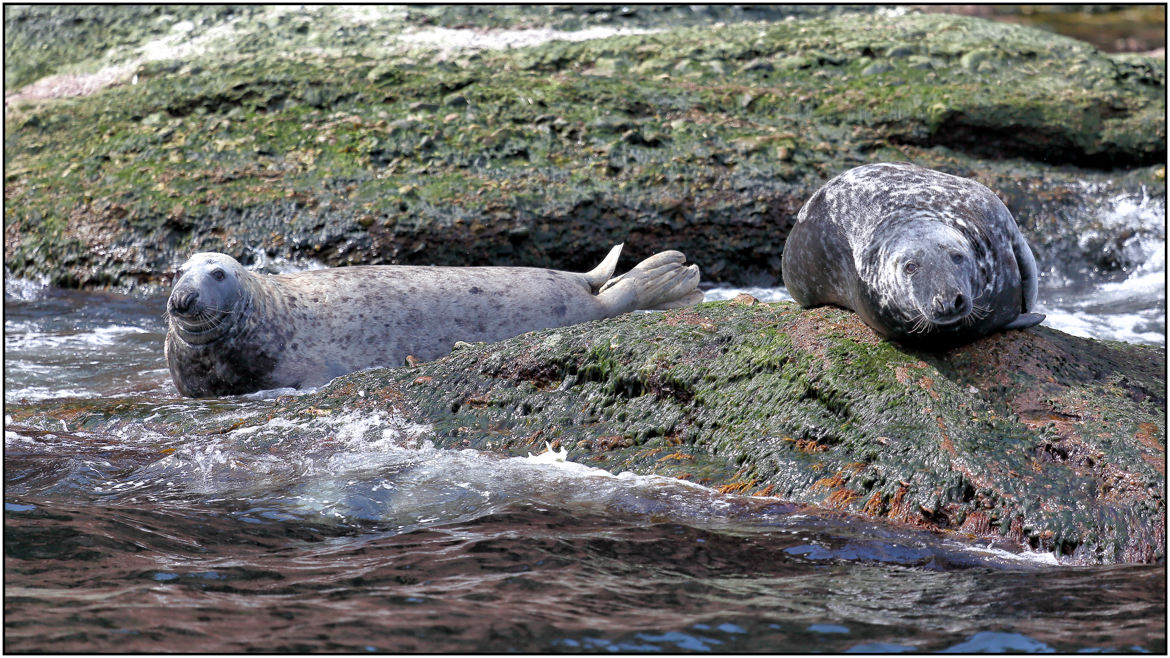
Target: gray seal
x=925 y=258
x=232 y=331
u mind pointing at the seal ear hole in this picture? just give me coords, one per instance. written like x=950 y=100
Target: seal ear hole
x=218 y=274
x=956 y=258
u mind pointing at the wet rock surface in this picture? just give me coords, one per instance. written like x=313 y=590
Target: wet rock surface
x=1051 y=440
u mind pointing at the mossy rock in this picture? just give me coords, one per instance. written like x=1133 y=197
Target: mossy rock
x=1055 y=441
x=704 y=139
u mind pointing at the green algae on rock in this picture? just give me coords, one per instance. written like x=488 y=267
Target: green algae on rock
x=1054 y=441
x=706 y=139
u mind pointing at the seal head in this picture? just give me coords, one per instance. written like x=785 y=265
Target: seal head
x=208 y=292
x=923 y=277
x=226 y=332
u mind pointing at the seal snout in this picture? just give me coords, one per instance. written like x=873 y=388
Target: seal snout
x=183 y=301
x=950 y=308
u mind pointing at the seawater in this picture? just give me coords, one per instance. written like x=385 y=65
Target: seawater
x=352 y=532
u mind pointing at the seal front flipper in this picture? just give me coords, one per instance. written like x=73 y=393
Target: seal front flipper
x=659 y=282
x=1025 y=320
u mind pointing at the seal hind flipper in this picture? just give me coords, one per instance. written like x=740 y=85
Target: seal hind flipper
x=598 y=276
x=691 y=299
x=659 y=282
x=1025 y=320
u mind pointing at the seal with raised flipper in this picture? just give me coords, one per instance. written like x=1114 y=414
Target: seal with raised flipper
x=232 y=331
x=925 y=258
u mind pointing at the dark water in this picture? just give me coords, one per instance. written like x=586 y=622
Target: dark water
x=352 y=533
x=530 y=578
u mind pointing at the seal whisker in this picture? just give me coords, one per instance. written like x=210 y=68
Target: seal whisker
x=978 y=312
x=920 y=324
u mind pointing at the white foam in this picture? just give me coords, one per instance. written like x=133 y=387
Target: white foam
x=1146 y=327
x=1134 y=309
x=764 y=294
x=1044 y=558
x=549 y=456
x=1141 y=220
x=39 y=393
x=273 y=393
x=262 y=262
x=99 y=337
x=25 y=290
x=559 y=461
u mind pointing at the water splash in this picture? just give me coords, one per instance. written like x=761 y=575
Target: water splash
x=262 y=262
x=25 y=290
x=1127 y=244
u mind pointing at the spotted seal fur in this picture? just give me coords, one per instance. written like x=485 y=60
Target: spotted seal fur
x=923 y=257
x=232 y=331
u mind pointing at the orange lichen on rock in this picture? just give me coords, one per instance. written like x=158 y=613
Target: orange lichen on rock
x=737 y=487
x=831 y=482
x=841 y=498
x=1150 y=436
x=978 y=524
x=874 y=505
x=944 y=440
x=927 y=384
x=688 y=317
x=766 y=491
x=810 y=446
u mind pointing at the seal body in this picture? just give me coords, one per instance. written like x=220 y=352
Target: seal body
x=232 y=331
x=924 y=258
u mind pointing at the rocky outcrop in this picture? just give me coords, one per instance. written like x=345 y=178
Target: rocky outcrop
x=325 y=140
x=1055 y=441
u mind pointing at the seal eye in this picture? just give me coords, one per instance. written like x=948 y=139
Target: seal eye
x=911 y=267
x=217 y=275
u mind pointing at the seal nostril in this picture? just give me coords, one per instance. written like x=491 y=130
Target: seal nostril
x=183 y=303
x=959 y=299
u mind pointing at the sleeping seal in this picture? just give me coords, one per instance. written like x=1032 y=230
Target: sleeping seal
x=924 y=258
x=232 y=331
